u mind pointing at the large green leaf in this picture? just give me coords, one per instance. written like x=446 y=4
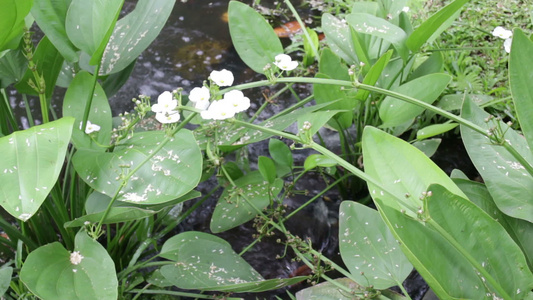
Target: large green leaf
x=89 y=22
x=76 y=98
x=378 y=27
x=134 y=33
x=403 y=171
x=330 y=291
x=206 y=262
x=50 y=15
x=395 y=112
x=31 y=164
x=49 y=62
x=170 y=173
x=12 y=67
x=5 y=279
x=233 y=208
x=460 y=250
x=12 y=21
x=435 y=25
x=339 y=38
x=331 y=67
x=254 y=39
x=507 y=179
x=521 y=231
x=50 y=273
x=368 y=249
x=520 y=79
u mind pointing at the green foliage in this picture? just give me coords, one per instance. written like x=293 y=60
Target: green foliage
x=52 y=272
x=32 y=167
x=254 y=39
x=12 y=22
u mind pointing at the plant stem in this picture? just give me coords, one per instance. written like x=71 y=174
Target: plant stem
x=304 y=30
x=181 y=294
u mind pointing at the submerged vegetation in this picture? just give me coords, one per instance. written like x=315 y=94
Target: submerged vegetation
x=93 y=204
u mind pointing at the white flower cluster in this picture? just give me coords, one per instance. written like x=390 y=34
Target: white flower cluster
x=505 y=34
x=285 y=62
x=233 y=101
x=90 y=127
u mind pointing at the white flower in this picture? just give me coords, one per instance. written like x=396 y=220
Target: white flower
x=202 y=105
x=237 y=100
x=219 y=110
x=222 y=78
x=405 y=9
x=165 y=103
x=167 y=117
x=502 y=33
x=284 y=62
x=90 y=127
x=76 y=258
x=507 y=45
x=199 y=94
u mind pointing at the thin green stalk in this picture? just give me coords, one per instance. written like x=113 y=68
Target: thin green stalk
x=302 y=26
x=462 y=49
x=265 y=104
x=180 y=294
x=293 y=108
x=90 y=97
x=499 y=289
x=14 y=234
x=28 y=110
x=7 y=111
x=128 y=176
x=316 y=197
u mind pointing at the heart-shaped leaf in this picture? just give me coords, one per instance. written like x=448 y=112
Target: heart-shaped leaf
x=206 y=262
x=368 y=248
x=53 y=273
x=31 y=164
x=168 y=174
x=233 y=208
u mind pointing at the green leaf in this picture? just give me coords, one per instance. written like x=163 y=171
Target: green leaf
x=172 y=172
x=318 y=160
x=13 y=65
x=253 y=38
x=134 y=33
x=39 y=151
x=282 y=156
x=403 y=171
x=374 y=26
x=310 y=48
x=374 y=74
x=233 y=208
x=428 y=147
x=330 y=291
x=5 y=279
x=368 y=249
x=49 y=62
x=49 y=273
x=76 y=98
x=395 y=112
x=50 y=15
x=88 y=23
x=435 y=25
x=449 y=245
x=267 y=168
x=206 y=262
x=520 y=78
x=317 y=120
x=455 y=101
x=435 y=129
x=507 y=180
x=339 y=38
x=12 y=21
x=338 y=100
x=521 y=231
x=433 y=64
